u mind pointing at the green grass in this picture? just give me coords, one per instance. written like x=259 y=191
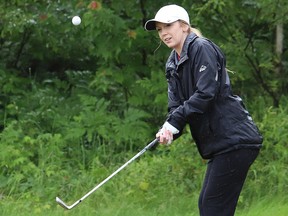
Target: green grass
x=115 y=208
x=268 y=206
x=186 y=206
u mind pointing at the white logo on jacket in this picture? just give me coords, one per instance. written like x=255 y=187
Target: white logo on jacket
x=202 y=68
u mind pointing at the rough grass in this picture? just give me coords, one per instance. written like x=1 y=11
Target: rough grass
x=185 y=206
x=267 y=206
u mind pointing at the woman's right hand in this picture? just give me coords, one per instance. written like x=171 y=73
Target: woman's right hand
x=165 y=136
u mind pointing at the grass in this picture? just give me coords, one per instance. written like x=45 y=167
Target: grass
x=116 y=208
x=186 y=206
x=266 y=207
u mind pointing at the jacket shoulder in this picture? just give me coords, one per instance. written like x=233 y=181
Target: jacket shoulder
x=202 y=43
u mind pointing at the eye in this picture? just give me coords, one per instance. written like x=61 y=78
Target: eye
x=158 y=29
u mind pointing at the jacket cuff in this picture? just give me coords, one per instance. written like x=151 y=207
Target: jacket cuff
x=171 y=128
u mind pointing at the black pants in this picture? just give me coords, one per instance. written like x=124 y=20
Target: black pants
x=223 y=182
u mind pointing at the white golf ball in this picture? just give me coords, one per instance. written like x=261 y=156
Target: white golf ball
x=76 y=20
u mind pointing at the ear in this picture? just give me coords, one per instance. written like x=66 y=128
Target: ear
x=185 y=27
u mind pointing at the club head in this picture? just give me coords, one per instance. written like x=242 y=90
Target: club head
x=61 y=203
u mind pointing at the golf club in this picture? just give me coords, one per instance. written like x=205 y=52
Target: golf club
x=149 y=146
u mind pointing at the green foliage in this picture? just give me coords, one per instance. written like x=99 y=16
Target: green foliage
x=246 y=31
x=76 y=102
x=274 y=153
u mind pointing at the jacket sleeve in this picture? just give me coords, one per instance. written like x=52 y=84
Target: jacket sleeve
x=204 y=68
x=174 y=99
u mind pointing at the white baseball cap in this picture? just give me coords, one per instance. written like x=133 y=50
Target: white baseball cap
x=168 y=14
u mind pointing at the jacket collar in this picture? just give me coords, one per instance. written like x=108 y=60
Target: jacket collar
x=184 y=53
x=172 y=62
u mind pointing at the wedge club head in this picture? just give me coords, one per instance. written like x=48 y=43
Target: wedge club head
x=64 y=205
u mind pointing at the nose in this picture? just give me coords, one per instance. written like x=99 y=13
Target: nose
x=163 y=33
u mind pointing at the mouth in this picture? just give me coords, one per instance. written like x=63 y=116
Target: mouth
x=167 y=40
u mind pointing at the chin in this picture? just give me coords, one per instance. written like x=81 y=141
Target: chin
x=170 y=46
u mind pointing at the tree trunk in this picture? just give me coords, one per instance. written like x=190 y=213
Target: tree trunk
x=279 y=47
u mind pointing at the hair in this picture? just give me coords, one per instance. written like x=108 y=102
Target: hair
x=196 y=31
x=192 y=29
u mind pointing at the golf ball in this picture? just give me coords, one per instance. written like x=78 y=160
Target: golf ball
x=76 y=20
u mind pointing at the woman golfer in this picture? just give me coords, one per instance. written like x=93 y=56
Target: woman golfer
x=200 y=95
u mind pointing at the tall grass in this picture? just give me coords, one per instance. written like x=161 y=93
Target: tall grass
x=165 y=182
x=68 y=157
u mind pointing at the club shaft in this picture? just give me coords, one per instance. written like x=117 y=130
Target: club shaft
x=150 y=145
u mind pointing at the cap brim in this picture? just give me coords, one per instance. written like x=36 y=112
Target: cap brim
x=150 y=25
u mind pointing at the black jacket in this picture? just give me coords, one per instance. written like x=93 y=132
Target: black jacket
x=199 y=94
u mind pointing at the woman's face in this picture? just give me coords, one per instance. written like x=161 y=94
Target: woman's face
x=173 y=34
